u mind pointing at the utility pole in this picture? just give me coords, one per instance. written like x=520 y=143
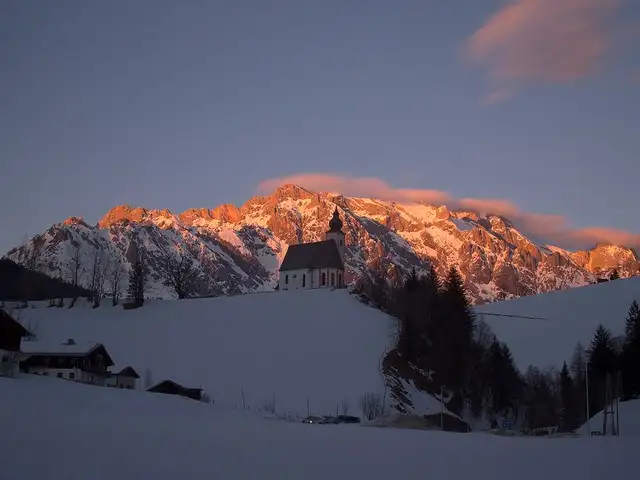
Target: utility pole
x=586 y=376
x=442 y=407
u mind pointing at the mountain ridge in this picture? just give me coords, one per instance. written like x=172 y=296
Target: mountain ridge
x=238 y=249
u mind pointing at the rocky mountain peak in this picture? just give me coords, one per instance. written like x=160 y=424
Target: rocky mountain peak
x=239 y=249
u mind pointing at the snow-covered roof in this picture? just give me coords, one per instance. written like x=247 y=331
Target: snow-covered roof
x=57 y=348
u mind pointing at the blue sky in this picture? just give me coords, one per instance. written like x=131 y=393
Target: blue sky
x=167 y=104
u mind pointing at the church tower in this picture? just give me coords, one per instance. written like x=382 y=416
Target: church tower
x=335 y=233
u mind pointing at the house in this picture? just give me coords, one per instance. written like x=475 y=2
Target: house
x=169 y=387
x=316 y=264
x=125 y=378
x=11 y=335
x=85 y=363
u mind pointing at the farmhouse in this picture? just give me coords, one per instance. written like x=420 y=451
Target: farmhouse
x=125 y=378
x=85 y=363
x=316 y=264
x=11 y=334
x=169 y=387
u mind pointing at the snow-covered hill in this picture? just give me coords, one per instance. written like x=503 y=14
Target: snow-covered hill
x=320 y=345
x=563 y=319
x=239 y=249
x=59 y=430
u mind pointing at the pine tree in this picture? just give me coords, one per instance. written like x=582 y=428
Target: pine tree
x=569 y=413
x=578 y=372
x=614 y=274
x=453 y=337
x=603 y=361
x=630 y=361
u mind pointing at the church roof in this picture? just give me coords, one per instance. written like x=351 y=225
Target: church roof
x=323 y=254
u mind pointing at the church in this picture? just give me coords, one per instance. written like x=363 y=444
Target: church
x=317 y=264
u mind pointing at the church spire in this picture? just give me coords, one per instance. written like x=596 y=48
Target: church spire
x=335 y=224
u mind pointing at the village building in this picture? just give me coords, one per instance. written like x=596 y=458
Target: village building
x=125 y=378
x=84 y=363
x=11 y=335
x=169 y=387
x=316 y=264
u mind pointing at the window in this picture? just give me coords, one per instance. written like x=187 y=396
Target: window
x=72 y=375
x=286 y=279
x=304 y=280
x=324 y=279
x=59 y=375
x=339 y=279
x=333 y=279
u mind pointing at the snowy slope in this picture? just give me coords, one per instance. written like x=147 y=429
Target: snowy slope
x=319 y=345
x=58 y=430
x=570 y=316
x=629 y=416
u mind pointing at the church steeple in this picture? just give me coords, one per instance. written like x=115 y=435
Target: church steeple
x=335 y=224
x=335 y=233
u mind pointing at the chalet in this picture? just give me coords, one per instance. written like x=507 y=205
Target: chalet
x=11 y=335
x=169 y=387
x=125 y=378
x=316 y=264
x=85 y=363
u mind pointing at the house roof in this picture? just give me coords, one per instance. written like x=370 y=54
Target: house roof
x=64 y=349
x=302 y=256
x=128 y=372
x=9 y=323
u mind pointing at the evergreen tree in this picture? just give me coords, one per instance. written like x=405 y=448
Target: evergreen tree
x=578 y=372
x=603 y=361
x=502 y=379
x=569 y=412
x=540 y=404
x=452 y=338
x=630 y=361
x=614 y=274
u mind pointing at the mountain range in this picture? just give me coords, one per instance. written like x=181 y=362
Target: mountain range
x=235 y=250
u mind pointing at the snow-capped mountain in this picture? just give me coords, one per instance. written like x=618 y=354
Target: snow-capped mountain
x=239 y=249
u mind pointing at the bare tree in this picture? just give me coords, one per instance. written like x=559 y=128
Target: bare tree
x=115 y=279
x=99 y=273
x=345 y=405
x=75 y=262
x=371 y=404
x=177 y=272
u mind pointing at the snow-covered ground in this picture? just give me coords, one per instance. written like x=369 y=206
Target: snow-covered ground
x=628 y=416
x=322 y=346
x=57 y=430
x=567 y=317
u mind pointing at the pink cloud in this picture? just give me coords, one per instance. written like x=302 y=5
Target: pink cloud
x=544 y=40
x=553 y=229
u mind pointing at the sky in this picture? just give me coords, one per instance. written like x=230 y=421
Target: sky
x=526 y=107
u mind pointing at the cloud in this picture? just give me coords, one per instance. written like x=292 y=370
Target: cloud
x=543 y=40
x=553 y=229
x=498 y=96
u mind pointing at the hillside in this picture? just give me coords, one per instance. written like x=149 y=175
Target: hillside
x=322 y=346
x=566 y=318
x=236 y=250
x=19 y=283
x=144 y=435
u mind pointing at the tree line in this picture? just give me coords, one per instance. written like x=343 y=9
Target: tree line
x=104 y=275
x=443 y=347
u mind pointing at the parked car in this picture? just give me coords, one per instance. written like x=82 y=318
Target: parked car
x=312 y=419
x=347 y=419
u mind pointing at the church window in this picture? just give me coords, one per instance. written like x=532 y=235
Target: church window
x=286 y=279
x=324 y=279
x=333 y=279
x=304 y=280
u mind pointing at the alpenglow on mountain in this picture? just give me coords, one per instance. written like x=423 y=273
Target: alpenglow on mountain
x=236 y=250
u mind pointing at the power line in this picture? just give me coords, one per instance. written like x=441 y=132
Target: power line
x=511 y=316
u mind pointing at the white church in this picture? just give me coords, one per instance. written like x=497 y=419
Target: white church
x=316 y=264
